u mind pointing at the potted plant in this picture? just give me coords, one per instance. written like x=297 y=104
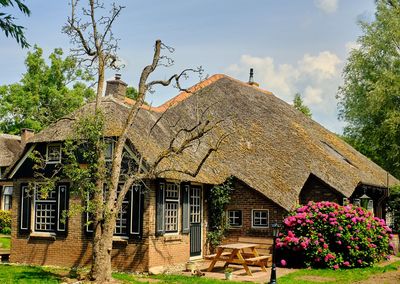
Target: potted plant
x=228 y=273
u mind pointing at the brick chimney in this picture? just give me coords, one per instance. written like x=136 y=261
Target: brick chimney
x=251 y=79
x=116 y=87
x=26 y=133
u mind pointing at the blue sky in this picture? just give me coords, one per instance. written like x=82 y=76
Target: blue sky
x=293 y=45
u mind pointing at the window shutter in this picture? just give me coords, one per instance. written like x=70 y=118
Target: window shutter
x=185 y=209
x=160 y=209
x=25 y=210
x=136 y=218
x=88 y=217
x=62 y=207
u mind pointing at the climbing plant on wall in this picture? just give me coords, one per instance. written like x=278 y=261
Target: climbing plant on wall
x=218 y=198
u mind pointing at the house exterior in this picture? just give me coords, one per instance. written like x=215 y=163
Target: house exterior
x=278 y=157
x=10 y=147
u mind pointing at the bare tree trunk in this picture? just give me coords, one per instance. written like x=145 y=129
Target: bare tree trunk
x=102 y=249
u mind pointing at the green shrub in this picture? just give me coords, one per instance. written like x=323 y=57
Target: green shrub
x=325 y=234
x=5 y=221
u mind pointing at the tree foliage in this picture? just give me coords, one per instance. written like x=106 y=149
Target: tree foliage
x=299 y=105
x=43 y=94
x=7 y=24
x=369 y=100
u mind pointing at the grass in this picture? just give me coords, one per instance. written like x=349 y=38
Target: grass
x=5 y=242
x=338 y=276
x=28 y=274
x=169 y=279
x=37 y=274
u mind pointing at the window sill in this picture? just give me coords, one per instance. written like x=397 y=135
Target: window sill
x=120 y=240
x=172 y=238
x=43 y=235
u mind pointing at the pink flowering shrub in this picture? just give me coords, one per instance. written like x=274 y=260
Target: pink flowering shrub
x=326 y=234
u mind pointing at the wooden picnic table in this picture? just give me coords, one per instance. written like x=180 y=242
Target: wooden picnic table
x=236 y=256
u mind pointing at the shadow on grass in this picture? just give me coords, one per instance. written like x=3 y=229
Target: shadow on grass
x=27 y=274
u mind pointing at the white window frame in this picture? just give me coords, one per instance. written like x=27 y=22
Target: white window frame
x=34 y=211
x=228 y=217
x=3 y=200
x=47 y=153
x=252 y=219
x=108 y=142
x=178 y=211
x=124 y=202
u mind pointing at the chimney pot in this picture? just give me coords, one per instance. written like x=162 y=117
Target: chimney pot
x=117 y=76
x=251 y=79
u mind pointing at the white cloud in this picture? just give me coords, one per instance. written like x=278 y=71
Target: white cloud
x=324 y=65
x=328 y=6
x=312 y=96
x=352 y=45
x=315 y=76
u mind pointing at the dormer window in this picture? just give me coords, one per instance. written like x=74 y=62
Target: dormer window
x=53 y=155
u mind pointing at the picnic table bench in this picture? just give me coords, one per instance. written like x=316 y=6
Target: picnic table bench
x=236 y=255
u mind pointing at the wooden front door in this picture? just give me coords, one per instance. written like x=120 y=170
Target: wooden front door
x=195 y=220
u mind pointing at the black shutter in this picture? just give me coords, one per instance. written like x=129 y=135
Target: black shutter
x=62 y=207
x=185 y=189
x=25 y=210
x=136 y=216
x=160 y=192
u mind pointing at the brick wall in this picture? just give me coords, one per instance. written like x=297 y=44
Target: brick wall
x=76 y=248
x=316 y=190
x=245 y=198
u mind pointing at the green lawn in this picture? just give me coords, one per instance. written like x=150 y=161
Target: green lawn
x=27 y=274
x=37 y=274
x=304 y=276
x=5 y=242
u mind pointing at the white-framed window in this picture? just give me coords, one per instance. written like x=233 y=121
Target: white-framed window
x=45 y=210
x=357 y=202
x=53 y=153
x=7 y=197
x=108 y=150
x=260 y=218
x=171 y=215
x=121 y=222
x=235 y=218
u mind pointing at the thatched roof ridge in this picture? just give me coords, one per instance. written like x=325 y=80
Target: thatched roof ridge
x=272 y=147
x=10 y=147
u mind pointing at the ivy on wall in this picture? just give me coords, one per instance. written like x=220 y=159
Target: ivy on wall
x=218 y=198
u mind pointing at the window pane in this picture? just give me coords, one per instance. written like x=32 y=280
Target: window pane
x=54 y=153
x=260 y=218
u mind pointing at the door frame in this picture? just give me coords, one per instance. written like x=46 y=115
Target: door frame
x=200 y=256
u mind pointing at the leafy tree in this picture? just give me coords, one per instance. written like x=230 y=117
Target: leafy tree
x=42 y=96
x=8 y=25
x=299 y=105
x=132 y=93
x=369 y=99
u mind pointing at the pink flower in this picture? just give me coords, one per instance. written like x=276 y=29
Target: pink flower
x=283 y=262
x=339 y=242
x=359 y=261
x=336 y=267
x=346 y=263
x=325 y=246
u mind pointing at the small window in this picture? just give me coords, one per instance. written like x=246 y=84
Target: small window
x=53 y=153
x=235 y=218
x=7 y=197
x=45 y=211
x=121 y=222
x=345 y=201
x=171 y=207
x=357 y=202
x=260 y=218
x=108 y=150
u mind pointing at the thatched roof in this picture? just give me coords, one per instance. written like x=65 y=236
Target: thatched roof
x=272 y=147
x=10 y=147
